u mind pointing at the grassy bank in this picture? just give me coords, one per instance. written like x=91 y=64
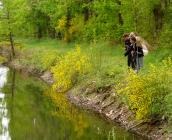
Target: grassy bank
x=107 y=59
x=99 y=66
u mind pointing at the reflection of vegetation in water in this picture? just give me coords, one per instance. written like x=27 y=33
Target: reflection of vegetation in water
x=65 y=110
x=34 y=117
x=31 y=117
x=28 y=111
x=112 y=135
x=115 y=134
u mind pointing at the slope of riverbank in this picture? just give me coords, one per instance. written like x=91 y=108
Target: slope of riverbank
x=107 y=104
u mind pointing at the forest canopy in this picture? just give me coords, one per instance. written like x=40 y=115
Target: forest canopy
x=83 y=19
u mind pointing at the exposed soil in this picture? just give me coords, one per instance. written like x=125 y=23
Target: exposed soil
x=108 y=105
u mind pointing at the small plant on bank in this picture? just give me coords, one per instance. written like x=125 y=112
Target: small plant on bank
x=2 y=59
x=39 y=59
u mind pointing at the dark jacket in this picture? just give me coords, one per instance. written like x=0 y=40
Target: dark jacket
x=127 y=44
x=129 y=50
x=131 y=57
x=139 y=51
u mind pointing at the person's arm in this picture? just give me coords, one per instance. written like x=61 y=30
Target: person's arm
x=140 y=50
x=127 y=45
x=128 y=50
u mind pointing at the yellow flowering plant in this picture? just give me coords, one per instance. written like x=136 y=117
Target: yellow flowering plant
x=65 y=72
x=62 y=23
x=145 y=93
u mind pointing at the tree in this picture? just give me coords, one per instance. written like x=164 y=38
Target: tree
x=7 y=22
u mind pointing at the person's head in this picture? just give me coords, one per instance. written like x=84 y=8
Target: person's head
x=138 y=41
x=132 y=39
x=133 y=34
x=125 y=36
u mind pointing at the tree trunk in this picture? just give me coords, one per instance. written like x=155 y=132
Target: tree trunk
x=10 y=36
x=39 y=32
x=158 y=17
x=87 y=11
x=68 y=24
x=121 y=21
x=135 y=16
x=52 y=33
x=13 y=82
x=68 y=15
x=12 y=44
x=86 y=14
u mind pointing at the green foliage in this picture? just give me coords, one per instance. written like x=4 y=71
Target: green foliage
x=2 y=59
x=102 y=23
x=146 y=93
x=84 y=20
x=12 y=16
x=166 y=34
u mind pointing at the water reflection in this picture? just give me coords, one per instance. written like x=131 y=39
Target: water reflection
x=67 y=111
x=86 y=125
x=13 y=82
x=4 y=129
x=34 y=117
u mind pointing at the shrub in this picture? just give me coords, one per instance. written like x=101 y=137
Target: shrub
x=65 y=72
x=145 y=93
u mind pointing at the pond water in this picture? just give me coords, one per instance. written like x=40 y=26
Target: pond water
x=29 y=110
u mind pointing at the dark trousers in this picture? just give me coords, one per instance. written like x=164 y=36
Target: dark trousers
x=131 y=62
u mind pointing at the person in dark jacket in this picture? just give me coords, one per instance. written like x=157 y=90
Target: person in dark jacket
x=129 y=51
x=138 y=53
x=126 y=39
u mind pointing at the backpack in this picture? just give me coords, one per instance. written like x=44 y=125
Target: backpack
x=145 y=50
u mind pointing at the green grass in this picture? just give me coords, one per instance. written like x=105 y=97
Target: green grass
x=101 y=48
x=48 y=44
x=107 y=60
x=158 y=55
x=109 y=63
x=102 y=54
